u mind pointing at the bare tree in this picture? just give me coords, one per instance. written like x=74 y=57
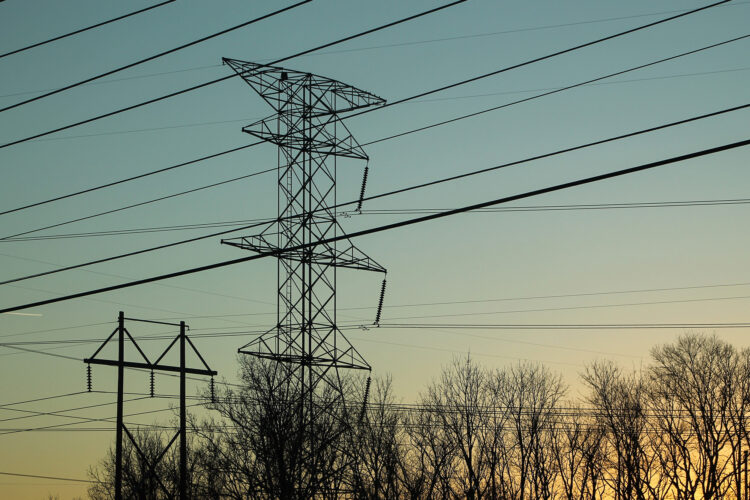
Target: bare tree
x=579 y=454
x=141 y=481
x=531 y=394
x=619 y=401
x=695 y=376
x=462 y=399
x=377 y=444
x=279 y=446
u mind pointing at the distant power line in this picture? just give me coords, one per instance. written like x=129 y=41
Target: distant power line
x=396 y=191
x=399 y=44
x=155 y=56
x=558 y=90
x=394 y=225
x=81 y=30
x=53 y=478
x=419 y=129
x=224 y=78
x=392 y=211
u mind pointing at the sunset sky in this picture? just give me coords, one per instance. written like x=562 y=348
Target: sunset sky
x=599 y=265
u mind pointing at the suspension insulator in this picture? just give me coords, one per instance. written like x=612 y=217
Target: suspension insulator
x=362 y=191
x=364 y=400
x=212 y=387
x=88 y=377
x=380 y=304
x=152 y=383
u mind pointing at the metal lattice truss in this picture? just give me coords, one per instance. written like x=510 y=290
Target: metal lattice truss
x=307 y=129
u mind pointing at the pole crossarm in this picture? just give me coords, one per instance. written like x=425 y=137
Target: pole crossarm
x=149 y=366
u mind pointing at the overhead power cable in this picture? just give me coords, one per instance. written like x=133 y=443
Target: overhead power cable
x=53 y=478
x=217 y=80
x=155 y=56
x=390 y=193
x=558 y=90
x=214 y=155
x=205 y=123
x=93 y=26
x=143 y=203
x=393 y=211
x=46 y=398
x=398 y=44
x=401 y=134
x=394 y=225
x=128 y=179
x=569 y=326
x=542 y=58
x=419 y=129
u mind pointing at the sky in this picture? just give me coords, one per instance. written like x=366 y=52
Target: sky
x=685 y=264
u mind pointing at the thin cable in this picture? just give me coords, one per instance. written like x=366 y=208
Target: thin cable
x=143 y=203
x=26 y=349
x=570 y=326
x=420 y=129
x=436 y=99
x=54 y=478
x=134 y=253
x=46 y=398
x=128 y=179
x=155 y=56
x=556 y=91
x=542 y=58
x=394 y=225
x=66 y=35
x=394 y=192
x=394 y=211
x=372 y=142
x=217 y=80
x=393 y=45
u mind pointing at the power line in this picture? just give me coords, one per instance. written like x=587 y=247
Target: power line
x=66 y=35
x=128 y=179
x=155 y=56
x=217 y=80
x=568 y=326
x=437 y=99
x=142 y=203
x=556 y=91
x=46 y=398
x=556 y=208
x=574 y=308
x=394 y=211
x=375 y=141
x=394 y=225
x=523 y=91
x=397 y=191
x=543 y=58
x=399 y=44
x=54 y=478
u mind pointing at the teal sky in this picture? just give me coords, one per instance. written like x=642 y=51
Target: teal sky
x=473 y=257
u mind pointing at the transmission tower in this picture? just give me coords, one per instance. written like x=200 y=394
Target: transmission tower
x=310 y=136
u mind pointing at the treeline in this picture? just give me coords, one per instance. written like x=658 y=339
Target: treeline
x=675 y=429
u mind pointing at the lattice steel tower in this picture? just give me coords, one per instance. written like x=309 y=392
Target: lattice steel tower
x=310 y=135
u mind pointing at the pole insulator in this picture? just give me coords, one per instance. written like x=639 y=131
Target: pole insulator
x=88 y=377
x=364 y=400
x=380 y=304
x=362 y=191
x=152 y=383
x=212 y=387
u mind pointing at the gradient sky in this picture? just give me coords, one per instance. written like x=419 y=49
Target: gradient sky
x=498 y=260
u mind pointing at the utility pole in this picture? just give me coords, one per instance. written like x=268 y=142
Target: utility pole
x=746 y=484
x=307 y=129
x=121 y=428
